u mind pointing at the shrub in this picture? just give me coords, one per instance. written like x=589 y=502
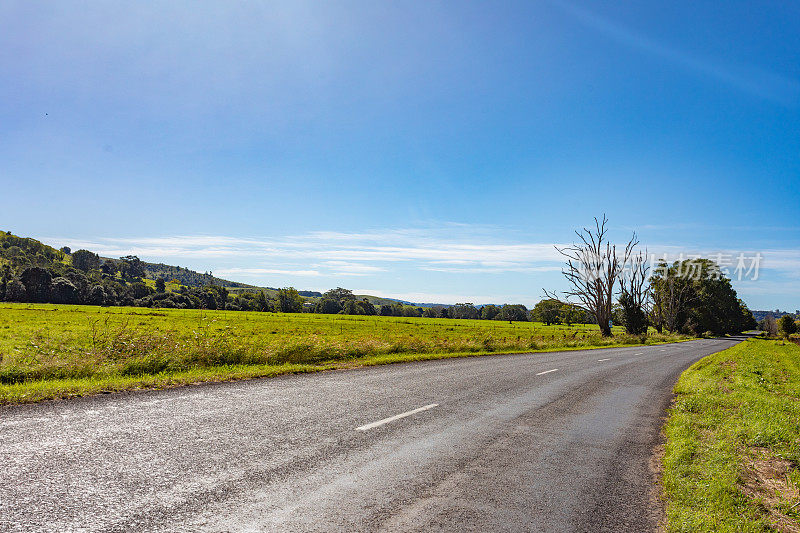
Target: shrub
x=15 y=291
x=64 y=292
x=788 y=325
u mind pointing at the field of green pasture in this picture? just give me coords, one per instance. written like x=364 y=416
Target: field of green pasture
x=52 y=351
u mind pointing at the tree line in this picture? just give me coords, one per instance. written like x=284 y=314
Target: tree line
x=343 y=301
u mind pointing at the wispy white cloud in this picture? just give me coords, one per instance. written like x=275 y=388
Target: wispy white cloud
x=337 y=254
x=353 y=253
x=264 y=271
x=492 y=270
x=763 y=287
x=344 y=268
x=718 y=227
x=786 y=261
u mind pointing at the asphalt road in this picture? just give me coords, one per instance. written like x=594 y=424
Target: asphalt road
x=543 y=442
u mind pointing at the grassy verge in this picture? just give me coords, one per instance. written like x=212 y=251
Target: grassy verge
x=51 y=389
x=733 y=442
x=50 y=351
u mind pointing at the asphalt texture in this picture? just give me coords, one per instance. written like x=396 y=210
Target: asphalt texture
x=508 y=446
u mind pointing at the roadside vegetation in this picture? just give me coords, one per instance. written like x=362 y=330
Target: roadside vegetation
x=732 y=457
x=54 y=351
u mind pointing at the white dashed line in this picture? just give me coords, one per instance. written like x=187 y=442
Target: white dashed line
x=601 y=360
x=395 y=417
x=546 y=372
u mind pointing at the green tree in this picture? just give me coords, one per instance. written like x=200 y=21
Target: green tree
x=161 y=285
x=138 y=290
x=788 y=325
x=109 y=268
x=714 y=306
x=548 y=311
x=513 y=313
x=351 y=307
x=570 y=314
x=695 y=297
x=37 y=282
x=632 y=315
x=289 y=300
x=131 y=267
x=64 y=292
x=464 y=310
x=411 y=311
x=367 y=308
x=15 y=291
x=5 y=279
x=214 y=297
x=489 y=312
x=747 y=319
x=339 y=295
x=328 y=306
x=671 y=291
x=85 y=260
x=97 y=295
x=262 y=303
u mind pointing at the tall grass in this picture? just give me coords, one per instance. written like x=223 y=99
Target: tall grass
x=48 y=342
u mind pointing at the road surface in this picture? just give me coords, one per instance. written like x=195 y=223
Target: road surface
x=540 y=442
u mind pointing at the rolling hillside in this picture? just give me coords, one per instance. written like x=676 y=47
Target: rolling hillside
x=18 y=253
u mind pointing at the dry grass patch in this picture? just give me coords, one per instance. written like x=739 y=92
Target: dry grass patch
x=768 y=479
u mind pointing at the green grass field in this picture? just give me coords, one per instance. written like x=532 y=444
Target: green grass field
x=733 y=442
x=53 y=351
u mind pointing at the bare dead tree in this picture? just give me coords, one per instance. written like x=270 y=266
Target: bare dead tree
x=592 y=270
x=770 y=326
x=635 y=283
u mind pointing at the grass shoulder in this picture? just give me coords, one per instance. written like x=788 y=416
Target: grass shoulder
x=733 y=441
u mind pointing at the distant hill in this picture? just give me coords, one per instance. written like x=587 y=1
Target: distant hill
x=188 y=277
x=309 y=294
x=377 y=300
x=760 y=315
x=19 y=253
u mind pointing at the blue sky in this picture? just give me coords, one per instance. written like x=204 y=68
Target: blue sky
x=433 y=151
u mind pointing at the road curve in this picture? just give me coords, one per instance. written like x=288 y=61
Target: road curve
x=539 y=442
